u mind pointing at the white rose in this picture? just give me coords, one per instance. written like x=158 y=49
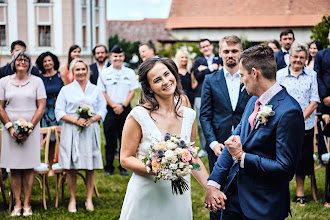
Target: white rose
x=173 y=166
x=181 y=165
x=148 y=169
x=266 y=110
x=169 y=154
x=194 y=151
x=178 y=151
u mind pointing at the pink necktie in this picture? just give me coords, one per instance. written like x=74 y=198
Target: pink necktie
x=254 y=113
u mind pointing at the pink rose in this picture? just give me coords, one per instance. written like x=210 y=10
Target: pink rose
x=186 y=156
x=155 y=166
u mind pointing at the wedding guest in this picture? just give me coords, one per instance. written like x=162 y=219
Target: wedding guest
x=204 y=65
x=183 y=62
x=159 y=112
x=282 y=56
x=259 y=159
x=74 y=53
x=48 y=64
x=14 y=47
x=22 y=95
x=80 y=150
x=301 y=84
x=146 y=51
x=275 y=45
x=314 y=47
x=100 y=53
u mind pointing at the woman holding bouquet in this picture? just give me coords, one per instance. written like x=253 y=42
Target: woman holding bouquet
x=80 y=147
x=159 y=112
x=22 y=95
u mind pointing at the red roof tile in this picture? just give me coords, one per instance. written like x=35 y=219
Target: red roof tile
x=246 y=14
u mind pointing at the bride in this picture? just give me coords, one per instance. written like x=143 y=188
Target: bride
x=159 y=112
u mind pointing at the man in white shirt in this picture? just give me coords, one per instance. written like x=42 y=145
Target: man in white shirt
x=223 y=101
x=118 y=84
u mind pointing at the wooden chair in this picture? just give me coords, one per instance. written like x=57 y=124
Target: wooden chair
x=59 y=173
x=2 y=185
x=41 y=172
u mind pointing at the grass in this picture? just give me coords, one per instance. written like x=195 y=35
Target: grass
x=112 y=192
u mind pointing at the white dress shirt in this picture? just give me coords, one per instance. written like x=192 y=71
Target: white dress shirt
x=286 y=56
x=210 y=62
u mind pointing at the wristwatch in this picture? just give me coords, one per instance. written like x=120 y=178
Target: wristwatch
x=237 y=157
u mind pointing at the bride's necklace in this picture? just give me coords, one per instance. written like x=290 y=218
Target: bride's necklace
x=19 y=82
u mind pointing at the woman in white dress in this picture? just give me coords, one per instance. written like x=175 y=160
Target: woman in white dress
x=80 y=150
x=159 y=112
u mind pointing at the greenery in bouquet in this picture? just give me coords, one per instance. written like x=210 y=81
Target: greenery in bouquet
x=22 y=127
x=85 y=112
x=172 y=159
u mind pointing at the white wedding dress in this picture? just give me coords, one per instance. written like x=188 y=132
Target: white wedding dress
x=146 y=199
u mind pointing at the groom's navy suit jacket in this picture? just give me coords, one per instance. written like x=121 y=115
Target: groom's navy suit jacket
x=261 y=188
x=217 y=115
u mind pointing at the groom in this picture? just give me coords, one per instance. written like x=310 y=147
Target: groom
x=259 y=159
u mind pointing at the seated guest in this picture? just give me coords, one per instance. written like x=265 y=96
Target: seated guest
x=186 y=75
x=74 y=53
x=21 y=96
x=301 y=84
x=48 y=64
x=80 y=146
x=275 y=45
x=314 y=47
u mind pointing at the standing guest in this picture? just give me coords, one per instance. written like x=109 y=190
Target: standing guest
x=100 y=53
x=14 y=47
x=118 y=84
x=314 y=47
x=204 y=65
x=21 y=96
x=48 y=64
x=146 y=50
x=322 y=68
x=301 y=84
x=275 y=45
x=282 y=56
x=223 y=101
x=259 y=160
x=160 y=112
x=66 y=75
x=187 y=78
x=80 y=150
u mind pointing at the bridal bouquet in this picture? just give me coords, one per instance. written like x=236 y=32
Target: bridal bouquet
x=22 y=127
x=172 y=159
x=85 y=112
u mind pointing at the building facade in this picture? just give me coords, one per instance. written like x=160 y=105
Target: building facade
x=52 y=25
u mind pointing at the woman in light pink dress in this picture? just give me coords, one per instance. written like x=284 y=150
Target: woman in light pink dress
x=21 y=96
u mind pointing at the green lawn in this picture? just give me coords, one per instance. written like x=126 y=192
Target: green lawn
x=112 y=191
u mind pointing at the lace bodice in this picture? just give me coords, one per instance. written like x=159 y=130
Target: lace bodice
x=151 y=133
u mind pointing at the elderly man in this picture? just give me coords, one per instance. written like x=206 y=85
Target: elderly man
x=260 y=158
x=301 y=84
x=282 y=56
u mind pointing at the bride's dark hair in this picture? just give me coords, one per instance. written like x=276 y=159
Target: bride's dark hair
x=147 y=96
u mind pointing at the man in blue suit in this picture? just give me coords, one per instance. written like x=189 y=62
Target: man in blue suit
x=282 y=56
x=260 y=158
x=203 y=66
x=223 y=101
x=100 y=53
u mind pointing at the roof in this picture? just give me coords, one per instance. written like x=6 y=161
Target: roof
x=141 y=30
x=246 y=14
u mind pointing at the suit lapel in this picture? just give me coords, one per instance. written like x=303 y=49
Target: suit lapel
x=223 y=85
x=275 y=101
x=241 y=95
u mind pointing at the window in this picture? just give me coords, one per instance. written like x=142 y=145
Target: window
x=96 y=3
x=2 y=1
x=84 y=40
x=44 y=35
x=43 y=1
x=97 y=35
x=2 y=35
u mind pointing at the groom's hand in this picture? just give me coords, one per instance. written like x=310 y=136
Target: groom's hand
x=214 y=199
x=234 y=145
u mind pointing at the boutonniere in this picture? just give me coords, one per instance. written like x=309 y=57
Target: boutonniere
x=262 y=115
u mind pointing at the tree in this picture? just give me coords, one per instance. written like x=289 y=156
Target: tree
x=321 y=30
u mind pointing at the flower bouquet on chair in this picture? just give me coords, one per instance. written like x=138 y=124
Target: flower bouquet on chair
x=172 y=159
x=85 y=112
x=22 y=127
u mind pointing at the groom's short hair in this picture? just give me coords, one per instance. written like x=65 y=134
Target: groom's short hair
x=260 y=57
